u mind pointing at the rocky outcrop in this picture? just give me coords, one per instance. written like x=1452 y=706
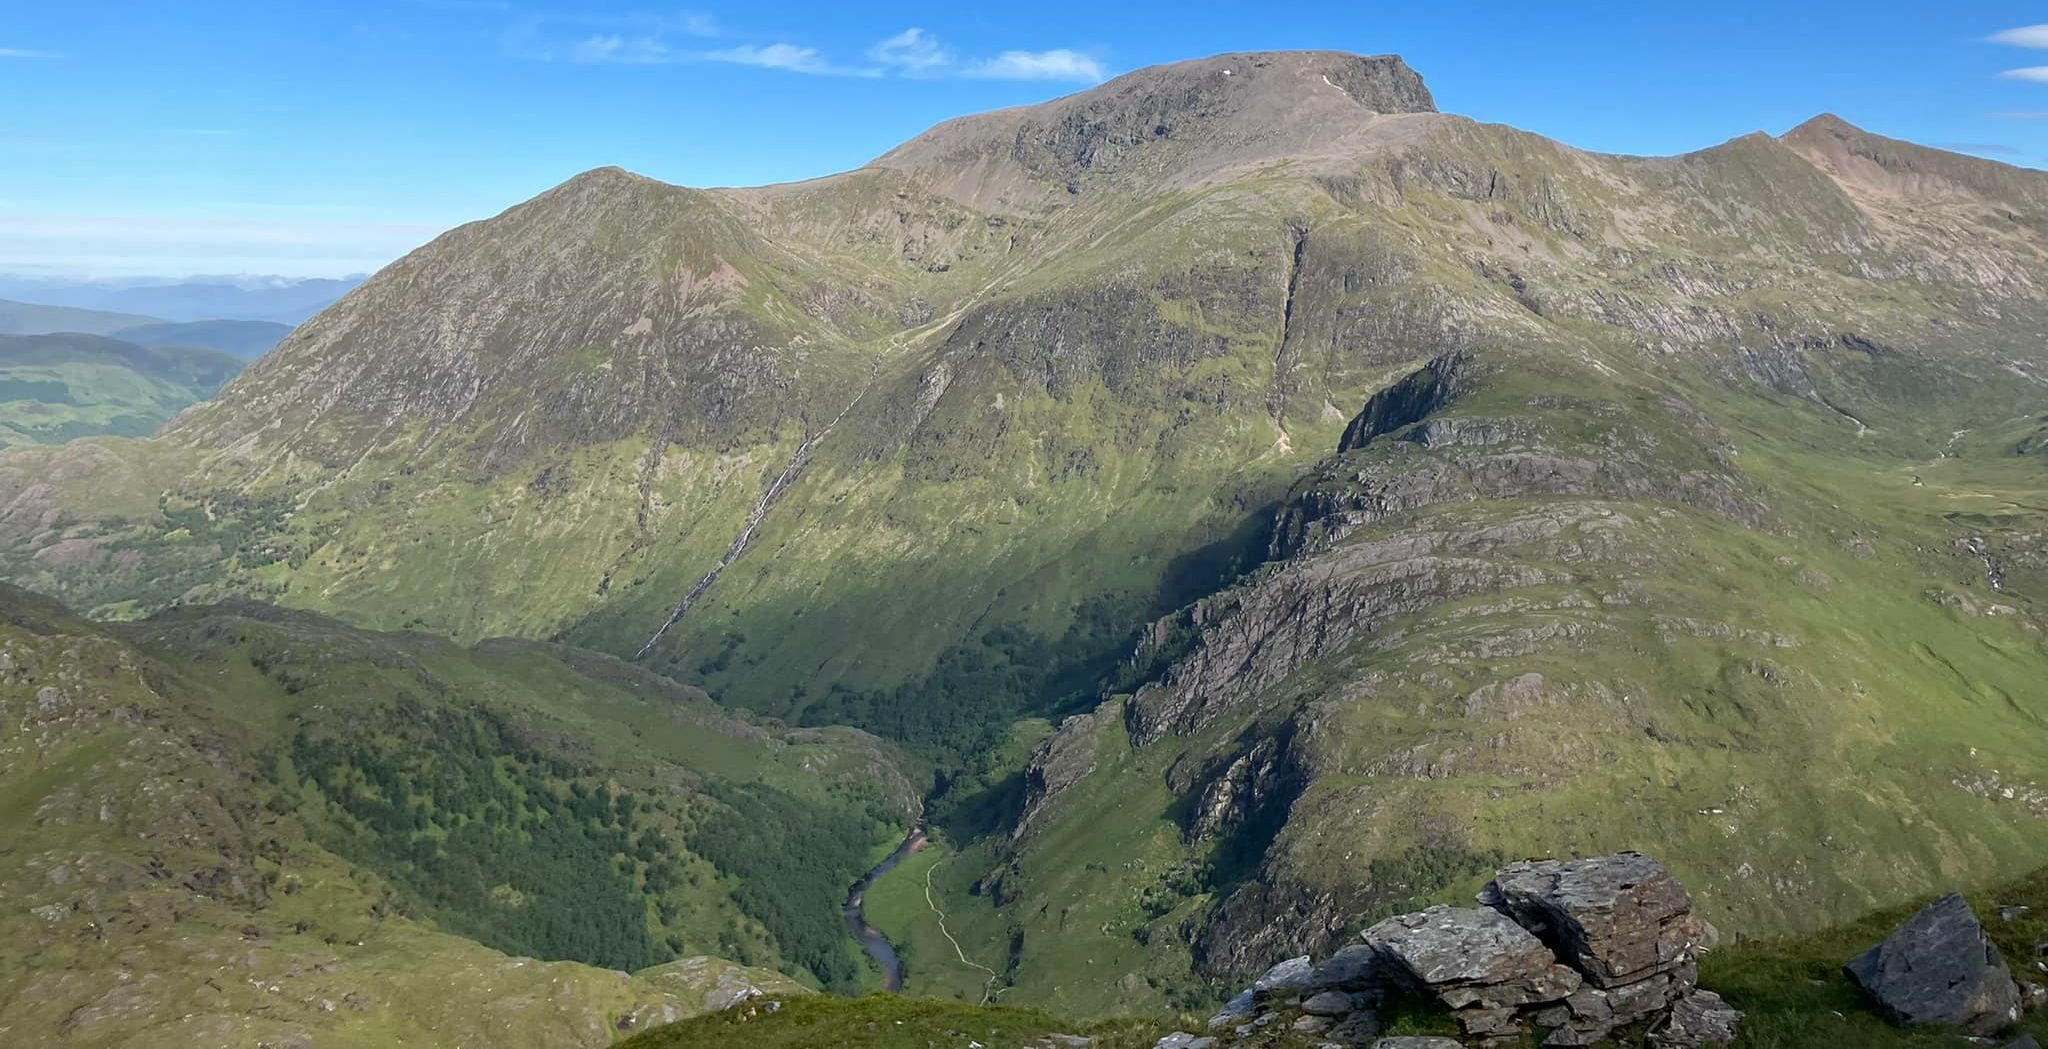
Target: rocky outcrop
x=1062 y=760
x=1575 y=949
x=1416 y=397
x=1619 y=919
x=1939 y=969
x=1475 y=961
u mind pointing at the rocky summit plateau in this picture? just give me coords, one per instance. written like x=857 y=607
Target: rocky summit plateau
x=1235 y=513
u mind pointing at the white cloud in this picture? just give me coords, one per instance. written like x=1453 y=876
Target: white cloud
x=110 y=244
x=18 y=52
x=786 y=57
x=2037 y=74
x=2022 y=114
x=635 y=51
x=914 y=51
x=2023 y=36
x=1057 y=64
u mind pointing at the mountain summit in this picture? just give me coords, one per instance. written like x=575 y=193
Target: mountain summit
x=1236 y=109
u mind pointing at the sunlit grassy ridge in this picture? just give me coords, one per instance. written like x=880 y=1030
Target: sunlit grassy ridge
x=242 y=823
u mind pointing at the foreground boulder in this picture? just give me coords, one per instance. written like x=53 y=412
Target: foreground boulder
x=1939 y=968
x=1618 y=919
x=1478 y=962
x=1575 y=949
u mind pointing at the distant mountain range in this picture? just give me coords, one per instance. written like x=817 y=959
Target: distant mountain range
x=287 y=300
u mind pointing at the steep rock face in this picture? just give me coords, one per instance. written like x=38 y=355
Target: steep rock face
x=1187 y=119
x=1062 y=760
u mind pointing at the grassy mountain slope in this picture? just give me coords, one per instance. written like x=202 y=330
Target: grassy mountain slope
x=245 y=339
x=249 y=824
x=56 y=388
x=28 y=318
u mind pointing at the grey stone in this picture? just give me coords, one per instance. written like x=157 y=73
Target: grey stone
x=2025 y=1041
x=1939 y=968
x=1285 y=978
x=1357 y=1027
x=1617 y=919
x=1306 y=1024
x=1355 y=968
x=1184 y=1040
x=1698 y=1019
x=1471 y=957
x=1409 y=1041
x=1235 y=1009
x=1328 y=1003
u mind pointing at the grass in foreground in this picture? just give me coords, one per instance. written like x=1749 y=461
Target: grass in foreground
x=819 y=1022
x=1792 y=990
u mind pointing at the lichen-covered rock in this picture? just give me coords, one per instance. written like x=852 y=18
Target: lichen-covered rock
x=1466 y=956
x=1698 y=1019
x=1286 y=978
x=1617 y=919
x=1939 y=968
x=1358 y=967
x=1328 y=1003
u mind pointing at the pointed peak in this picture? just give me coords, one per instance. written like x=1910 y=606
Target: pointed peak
x=1827 y=124
x=609 y=175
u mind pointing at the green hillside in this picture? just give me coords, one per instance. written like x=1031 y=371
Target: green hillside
x=28 y=318
x=240 y=823
x=245 y=339
x=56 y=388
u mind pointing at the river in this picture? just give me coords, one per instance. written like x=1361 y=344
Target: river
x=878 y=946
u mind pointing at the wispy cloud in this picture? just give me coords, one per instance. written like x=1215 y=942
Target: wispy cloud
x=22 y=52
x=2021 y=114
x=788 y=58
x=1996 y=149
x=1058 y=64
x=2037 y=74
x=109 y=244
x=627 y=38
x=2023 y=36
x=635 y=51
x=647 y=40
x=913 y=51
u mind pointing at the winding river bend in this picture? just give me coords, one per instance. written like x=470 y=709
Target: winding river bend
x=877 y=945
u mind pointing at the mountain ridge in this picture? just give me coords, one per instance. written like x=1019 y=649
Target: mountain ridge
x=1707 y=507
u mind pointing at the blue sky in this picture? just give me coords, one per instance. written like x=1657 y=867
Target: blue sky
x=312 y=138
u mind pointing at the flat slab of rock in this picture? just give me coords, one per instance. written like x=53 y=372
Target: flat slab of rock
x=1410 y=1041
x=1618 y=919
x=1471 y=957
x=1288 y=977
x=1701 y=1018
x=1939 y=968
x=1358 y=967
